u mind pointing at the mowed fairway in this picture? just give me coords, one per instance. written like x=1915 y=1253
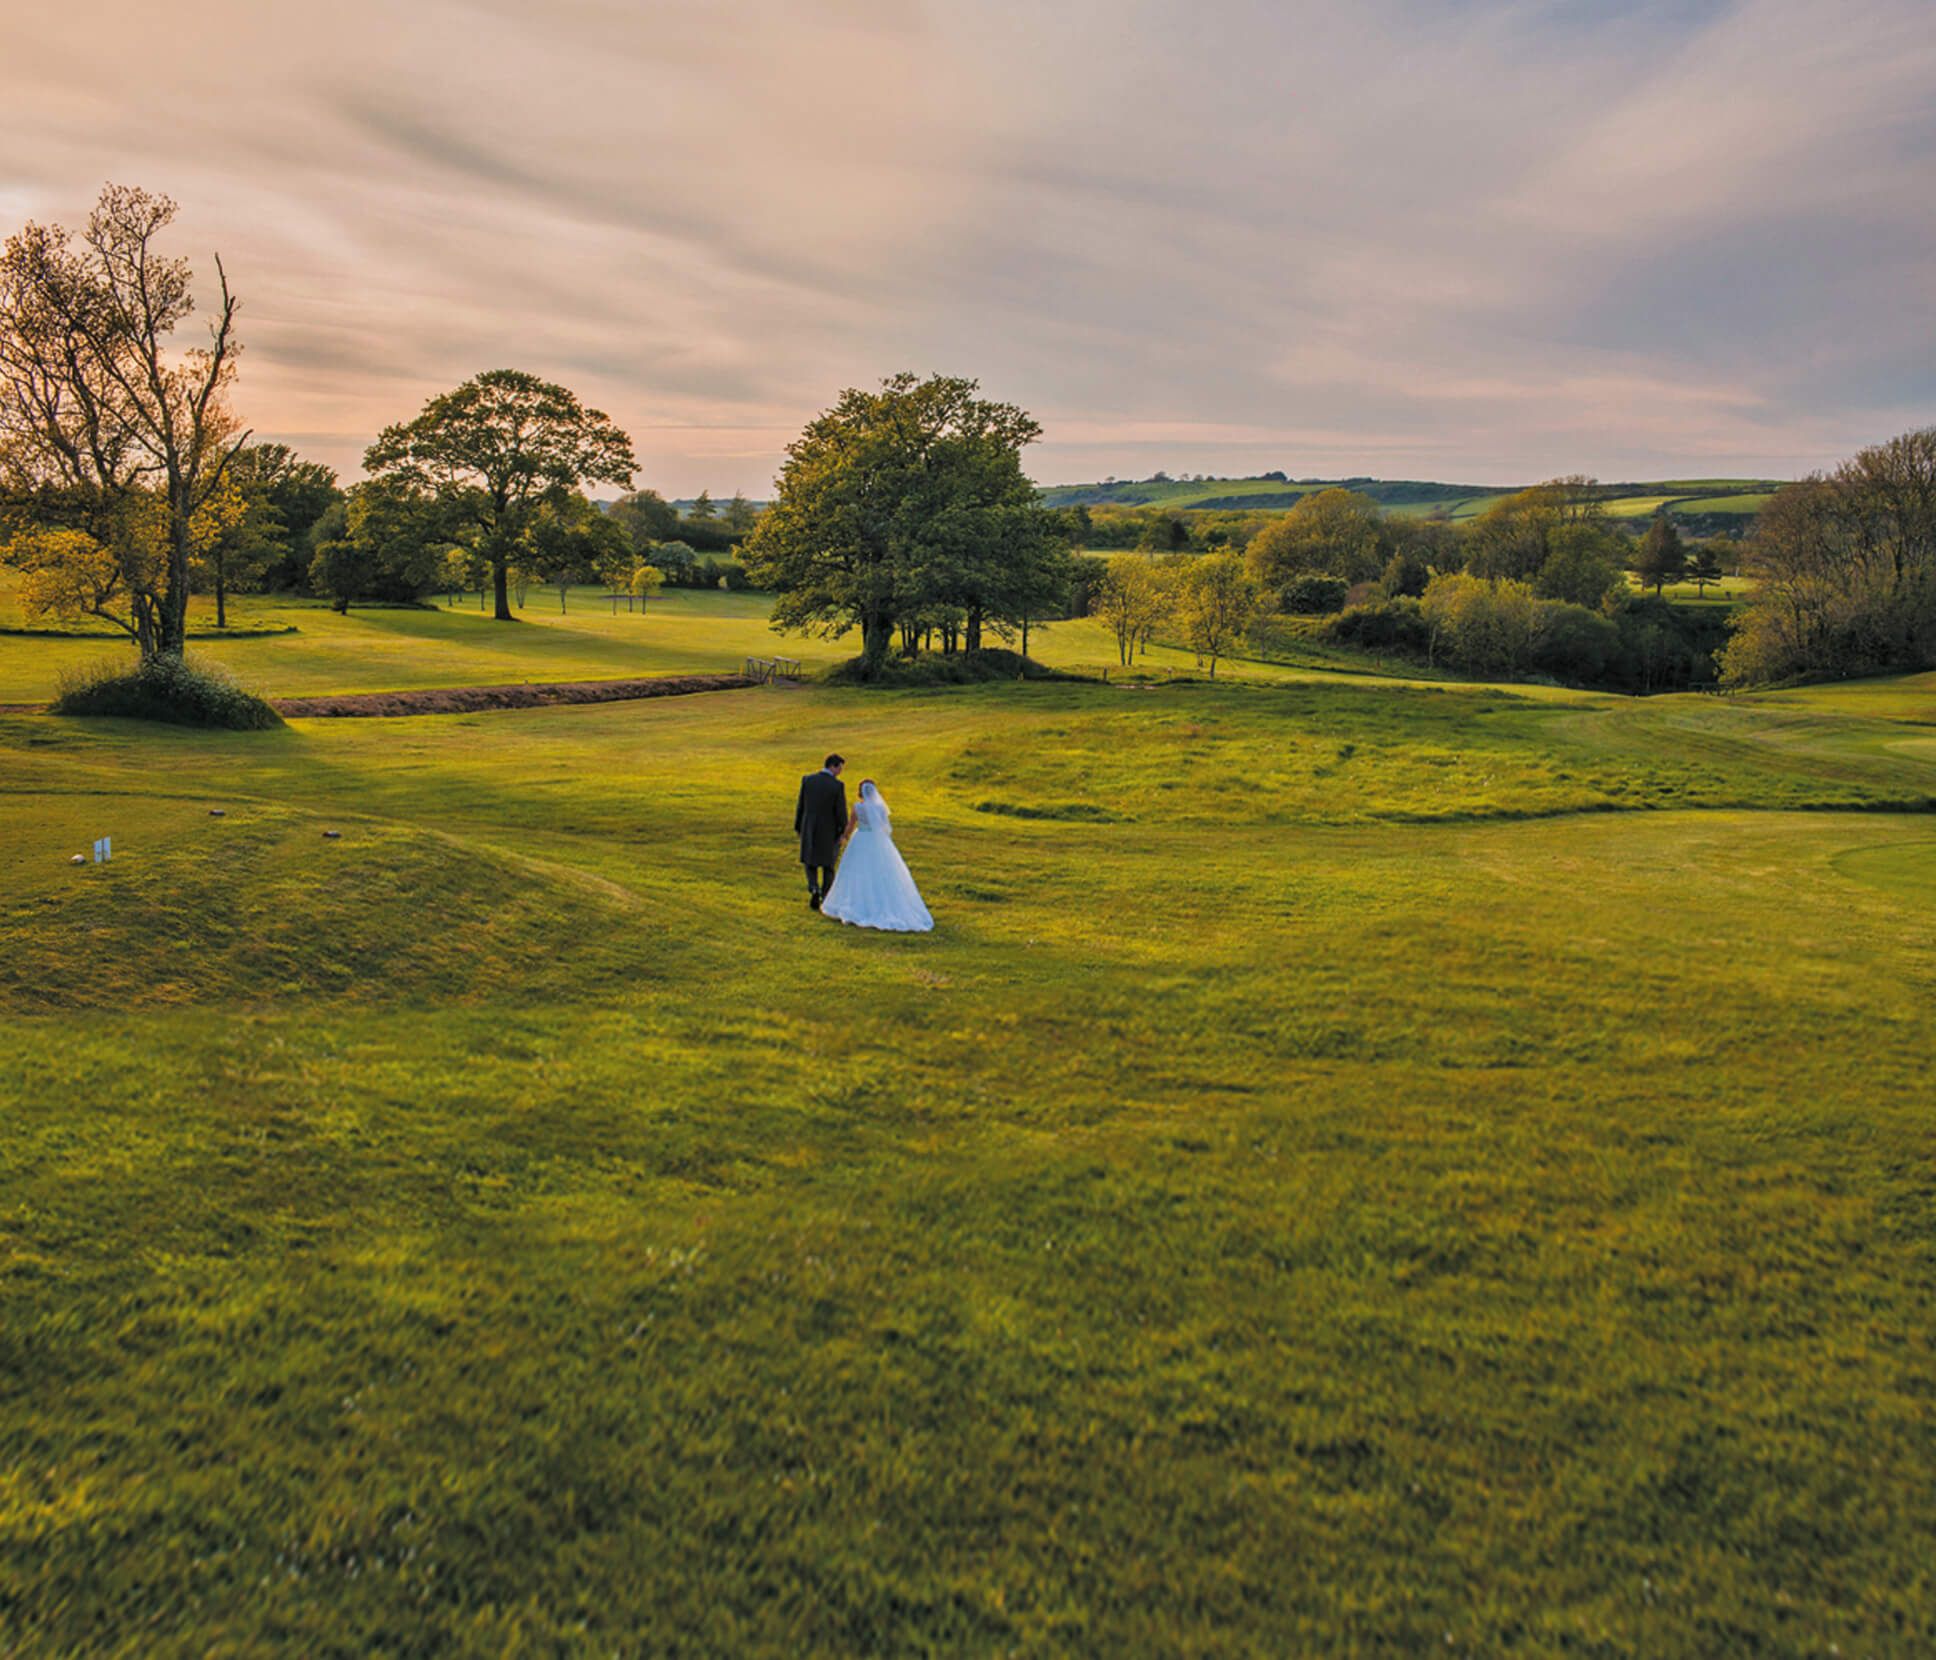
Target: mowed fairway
x=1359 y=1167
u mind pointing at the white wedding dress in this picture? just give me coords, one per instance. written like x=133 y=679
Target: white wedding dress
x=872 y=887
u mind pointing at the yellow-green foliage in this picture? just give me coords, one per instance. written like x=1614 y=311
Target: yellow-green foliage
x=1316 y=1191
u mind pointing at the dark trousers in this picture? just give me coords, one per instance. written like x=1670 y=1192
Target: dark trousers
x=820 y=878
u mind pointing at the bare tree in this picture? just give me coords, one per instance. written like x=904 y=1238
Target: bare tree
x=1844 y=569
x=98 y=405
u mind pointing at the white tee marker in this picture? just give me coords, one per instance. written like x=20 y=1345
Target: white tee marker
x=103 y=850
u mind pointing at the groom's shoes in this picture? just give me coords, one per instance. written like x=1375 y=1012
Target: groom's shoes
x=813 y=901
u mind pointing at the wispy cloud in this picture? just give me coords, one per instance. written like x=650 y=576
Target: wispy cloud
x=1479 y=238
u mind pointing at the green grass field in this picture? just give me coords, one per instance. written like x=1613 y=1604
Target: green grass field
x=680 y=632
x=1746 y=504
x=1727 y=590
x=1360 y=1167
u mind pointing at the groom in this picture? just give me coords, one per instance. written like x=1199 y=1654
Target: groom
x=821 y=819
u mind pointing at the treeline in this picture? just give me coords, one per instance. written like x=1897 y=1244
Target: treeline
x=128 y=482
x=380 y=543
x=1843 y=569
x=1538 y=584
x=280 y=524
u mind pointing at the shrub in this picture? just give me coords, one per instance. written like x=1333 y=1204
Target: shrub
x=1572 y=643
x=1384 y=625
x=960 y=668
x=178 y=690
x=677 y=560
x=1313 y=593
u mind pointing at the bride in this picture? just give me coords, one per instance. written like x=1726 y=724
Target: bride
x=872 y=887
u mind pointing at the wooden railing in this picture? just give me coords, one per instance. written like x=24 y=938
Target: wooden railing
x=765 y=670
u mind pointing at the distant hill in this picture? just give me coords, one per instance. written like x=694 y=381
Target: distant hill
x=1705 y=503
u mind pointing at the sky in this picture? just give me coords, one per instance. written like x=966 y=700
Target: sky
x=1485 y=241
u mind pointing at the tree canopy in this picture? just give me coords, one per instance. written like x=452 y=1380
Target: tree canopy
x=1338 y=532
x=494 y=452
x=907 y=504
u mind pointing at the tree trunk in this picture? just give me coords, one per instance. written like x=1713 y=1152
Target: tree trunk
x=172 y=636
x=221 y=599
x=876 y=638
x=144 y=627
x=502 y=580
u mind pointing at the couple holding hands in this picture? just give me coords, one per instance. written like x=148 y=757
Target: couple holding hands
x=855 y=873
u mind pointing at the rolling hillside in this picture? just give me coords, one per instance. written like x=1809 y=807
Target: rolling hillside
x=1707 y=502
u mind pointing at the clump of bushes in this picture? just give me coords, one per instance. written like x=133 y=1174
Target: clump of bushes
x=1313 y=593
x=1395 y=625
x=958 y=668
x=1494 y=626
x=178 y=690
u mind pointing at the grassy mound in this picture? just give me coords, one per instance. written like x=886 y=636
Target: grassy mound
x=178 y=690
x=257 y=907
x=962 y=668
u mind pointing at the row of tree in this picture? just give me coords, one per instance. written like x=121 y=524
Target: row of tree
x=1555 y=537
x=1502 y=628
x=127 y=482
x=1209 y=602
x=1842 y=568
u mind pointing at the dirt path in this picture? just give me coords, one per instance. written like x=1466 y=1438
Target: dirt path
x=460 y=700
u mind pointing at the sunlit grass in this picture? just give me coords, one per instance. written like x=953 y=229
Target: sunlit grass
x=1317 y=1190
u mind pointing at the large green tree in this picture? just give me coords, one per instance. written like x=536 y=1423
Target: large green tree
x=1845 y=570
x=495 y=452
x=903 y=502
x=1339 y=532
x=648 y=518
x=382 y=541
x=1513 y=538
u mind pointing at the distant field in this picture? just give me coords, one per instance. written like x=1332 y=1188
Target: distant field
x=1635 y=507
x=1418 y=499
x=1746 y=505
x=1255 y=491
x=1728 y=590
x=1465 y=507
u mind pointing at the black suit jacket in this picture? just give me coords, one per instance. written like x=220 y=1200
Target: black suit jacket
x=820 y=817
